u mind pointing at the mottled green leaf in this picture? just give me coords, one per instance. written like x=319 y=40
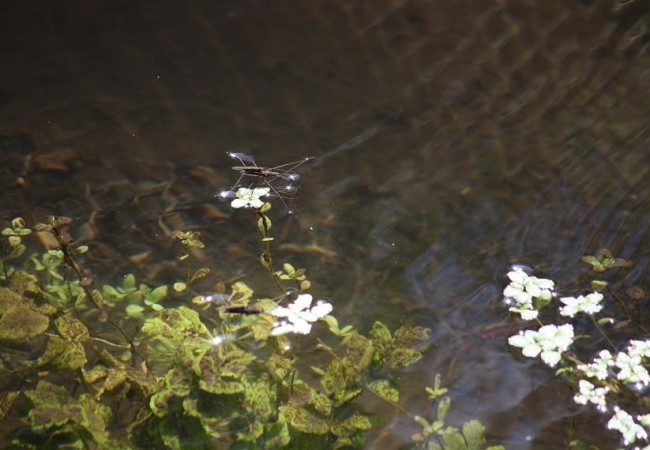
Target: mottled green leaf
x=48 y=394
x=403 y=357
x=304 y=421
x=279 y=366
x=321 y=403
x=334 y=378
x=380 y=334
x=61 y=354
x=359 y=354
x=384 y=389
x=351 y=425
x=22 y=282
x=408 y=336
x=71 y=328
x=176 y=323
x=221 y=375
x=6 y=400
x=21 y=321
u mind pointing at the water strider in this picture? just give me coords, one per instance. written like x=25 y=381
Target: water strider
x=271 y=177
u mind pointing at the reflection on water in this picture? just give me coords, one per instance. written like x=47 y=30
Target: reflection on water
x=454 y=139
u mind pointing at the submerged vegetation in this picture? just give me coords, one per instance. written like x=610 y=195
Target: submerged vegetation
x=90 y=365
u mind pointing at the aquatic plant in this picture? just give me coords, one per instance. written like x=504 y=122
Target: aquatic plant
x=615 y=380
x=82 y=362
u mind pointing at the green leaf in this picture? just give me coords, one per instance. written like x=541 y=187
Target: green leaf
x=22 y=282
x=71 y=329
x=352 y=424
x=222 y=374
x=473 y=432
x=129 y=282
x=158 y=294
x=453 y=440
x=384 y=389
x=264 y=225
x=436 y=391
x=21 y=321
x=288 y=269
x=6 y=400
x=134 y=310
x=16 y=252
x=403 y=357
x=179 y=286
x=304 y=421
x=443 y=408
x=61 y=354
x=200 y=273
x=380 y=334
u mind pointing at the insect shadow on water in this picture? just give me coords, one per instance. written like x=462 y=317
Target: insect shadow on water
x=279 y=179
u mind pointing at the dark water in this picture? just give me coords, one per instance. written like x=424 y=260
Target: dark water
x=453 y=139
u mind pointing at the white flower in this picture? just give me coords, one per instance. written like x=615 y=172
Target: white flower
x=589 y=304
x=600 y=367
x=625 y=424
x=525 y=311
x=640 y=348
x=523 y=288
x=631 y=369
x=249 y=197
x=298 y=316
x=589 y=393
x=549 y=342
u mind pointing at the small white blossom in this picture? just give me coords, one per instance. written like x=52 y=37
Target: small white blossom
x=639 y=348
x=549 y=342
x=523 y=288
x=527 y=312
x=625 y=424
x=588 y=304
x=600 y=367
x=249 y=197
x=631 y=369
x=298 y=316
x=591 y=394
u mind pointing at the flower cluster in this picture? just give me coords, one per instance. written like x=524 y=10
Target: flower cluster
x=549 y=342
x=299 y=315
x=624 y=423
x=627 y=367
x=591 y=394
x=597 y=380
x=523 y=289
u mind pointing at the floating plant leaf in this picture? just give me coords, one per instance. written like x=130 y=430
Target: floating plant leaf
x=604 y=260
x=21 y=321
